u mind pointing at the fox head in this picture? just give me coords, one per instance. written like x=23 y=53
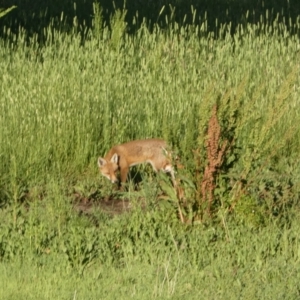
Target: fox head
x=108 y=168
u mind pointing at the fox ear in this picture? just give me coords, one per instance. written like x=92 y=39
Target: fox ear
x=101 y=162
x=114 y=159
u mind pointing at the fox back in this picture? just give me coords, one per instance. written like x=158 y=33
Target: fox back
x=122 y=157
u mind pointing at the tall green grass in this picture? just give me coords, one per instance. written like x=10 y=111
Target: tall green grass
x=144 y=255
x=65 y=103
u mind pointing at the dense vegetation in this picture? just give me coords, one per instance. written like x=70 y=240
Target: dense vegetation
x=228 y=103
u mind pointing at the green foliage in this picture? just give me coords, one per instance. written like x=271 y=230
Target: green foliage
x=118 y=29
x=98 y=20
x=4 y=12
x=142 y=252
x=62 y=117
x=64 y=104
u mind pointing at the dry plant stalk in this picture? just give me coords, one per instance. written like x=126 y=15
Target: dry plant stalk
x=179 y=191
x=215 y=156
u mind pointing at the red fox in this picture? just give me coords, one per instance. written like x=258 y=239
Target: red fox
x=122 y=157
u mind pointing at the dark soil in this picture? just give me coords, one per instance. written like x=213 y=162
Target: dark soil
x=112 y=206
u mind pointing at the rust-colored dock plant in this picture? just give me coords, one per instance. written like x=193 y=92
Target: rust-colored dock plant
x=215 y=156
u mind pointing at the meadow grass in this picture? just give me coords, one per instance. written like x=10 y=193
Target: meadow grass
x=66 y=103
x=157 y=260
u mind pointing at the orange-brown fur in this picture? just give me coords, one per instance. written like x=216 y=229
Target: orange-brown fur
x=124 y=156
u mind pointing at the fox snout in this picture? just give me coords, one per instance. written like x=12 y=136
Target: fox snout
x=111 y=177
x=114 y=180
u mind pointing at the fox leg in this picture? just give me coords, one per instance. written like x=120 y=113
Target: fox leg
x=124 y=172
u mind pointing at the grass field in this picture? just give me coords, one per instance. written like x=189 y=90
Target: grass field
x=66 y=233
x=163 y=262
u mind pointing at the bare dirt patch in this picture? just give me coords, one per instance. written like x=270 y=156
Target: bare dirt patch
x=112 y=206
